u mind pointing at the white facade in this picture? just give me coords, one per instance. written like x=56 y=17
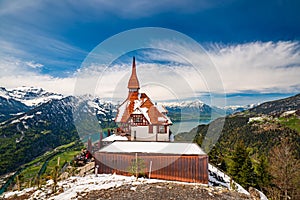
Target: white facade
x=141 y=133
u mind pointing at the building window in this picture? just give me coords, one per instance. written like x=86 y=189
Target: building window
x=137 y=119
x=162 y=129
x=150 y=129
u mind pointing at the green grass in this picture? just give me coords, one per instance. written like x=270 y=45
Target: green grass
x=64 y=157
x=291 y=122
x=31 y=172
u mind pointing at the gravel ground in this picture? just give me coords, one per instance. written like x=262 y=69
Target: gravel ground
x=163 y=191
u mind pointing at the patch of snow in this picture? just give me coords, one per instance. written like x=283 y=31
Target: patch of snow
x=27 y=117
x=161 y=119
x=16 y=114
x=31 y=96
x=121 y=110
x=137 y=104
x=99 y=112
x=18 y=193
x=75 y=185
x=290 y=112
x=196 y=103
x=262 y=195
x=115 y=137
x=15 y=121
x=38 y=113
x=4 y=93
x=255 y=119
x=219 y=177
x=137 y=111
x=145 y=113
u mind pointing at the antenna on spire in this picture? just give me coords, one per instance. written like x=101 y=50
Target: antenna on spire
x=133 y=62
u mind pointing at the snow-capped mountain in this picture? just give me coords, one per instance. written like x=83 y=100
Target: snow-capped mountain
x=30 y=96
x=51 y=124
x=191 y=110
x=196 y=103
x=230 y=109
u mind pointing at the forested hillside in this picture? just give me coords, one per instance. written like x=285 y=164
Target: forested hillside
x=259 y=147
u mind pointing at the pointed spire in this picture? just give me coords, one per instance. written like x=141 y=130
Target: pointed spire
x=133 y=83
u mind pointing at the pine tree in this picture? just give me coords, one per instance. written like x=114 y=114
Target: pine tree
x=237 y=160
x=240 y=166
x=263 y=175
x=247 y=174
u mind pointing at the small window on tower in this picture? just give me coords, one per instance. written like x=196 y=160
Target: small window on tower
x=137 y=119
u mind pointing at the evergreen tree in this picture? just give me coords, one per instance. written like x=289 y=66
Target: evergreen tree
x=247 y=174
x=240 y=166
x=263 y=176
x=237 y=160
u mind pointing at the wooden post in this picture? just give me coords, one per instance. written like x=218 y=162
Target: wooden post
x=96 y=170
x=18 y=183
x=150 y=168
x=136 y=169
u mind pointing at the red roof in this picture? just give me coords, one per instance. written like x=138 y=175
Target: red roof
x=139 y=103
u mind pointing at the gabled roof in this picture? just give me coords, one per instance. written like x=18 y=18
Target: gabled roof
x=140 y=103
x=154 y=147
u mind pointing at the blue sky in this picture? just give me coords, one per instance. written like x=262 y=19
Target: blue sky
x=43 y=43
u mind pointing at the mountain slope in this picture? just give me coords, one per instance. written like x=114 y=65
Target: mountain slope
x=10 y=108
x=57 y=122
x=35 y=132
x=278 y=106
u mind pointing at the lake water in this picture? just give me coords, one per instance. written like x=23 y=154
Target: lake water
x=179 y=127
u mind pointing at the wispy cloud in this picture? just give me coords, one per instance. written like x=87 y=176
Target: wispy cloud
x=259 y=67
x=34 y=65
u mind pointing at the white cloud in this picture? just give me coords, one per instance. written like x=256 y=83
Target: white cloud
x=33 y=64
x=271 y=67
x=124 y=9
x=259 y=66
x=16 y=72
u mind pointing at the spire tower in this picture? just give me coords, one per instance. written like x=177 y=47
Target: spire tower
x=133 y=83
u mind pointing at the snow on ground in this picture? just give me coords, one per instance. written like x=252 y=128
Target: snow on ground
x=74 y=185
x=71 y=187
x=115 y=137
x=218 y=177
x=16 y=193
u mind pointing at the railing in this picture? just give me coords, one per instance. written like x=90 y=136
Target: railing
x=86 y=168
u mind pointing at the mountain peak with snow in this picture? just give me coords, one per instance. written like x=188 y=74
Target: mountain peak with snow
x=30 y=96
x=195 y=103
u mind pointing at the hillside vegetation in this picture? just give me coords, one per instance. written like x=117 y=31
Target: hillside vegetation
x=259 y=147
